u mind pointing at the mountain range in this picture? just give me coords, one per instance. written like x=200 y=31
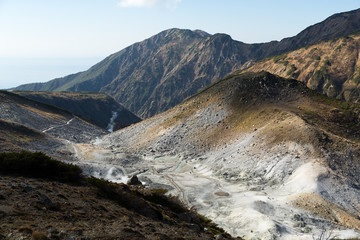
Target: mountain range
x=154 y=75
x=254 y=140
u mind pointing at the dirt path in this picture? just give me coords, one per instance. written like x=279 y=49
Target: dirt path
x=57 y=126
x=175 y=185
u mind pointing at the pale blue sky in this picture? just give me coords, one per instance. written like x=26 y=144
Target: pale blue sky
x=44 y=39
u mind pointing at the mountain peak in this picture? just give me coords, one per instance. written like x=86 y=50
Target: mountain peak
x=154 y=75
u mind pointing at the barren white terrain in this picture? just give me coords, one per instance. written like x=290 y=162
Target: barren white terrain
x=262 y=175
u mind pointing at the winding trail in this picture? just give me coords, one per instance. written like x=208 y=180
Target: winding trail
x=57 y=126
x=175 y=185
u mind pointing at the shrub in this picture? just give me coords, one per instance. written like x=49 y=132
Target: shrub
x=291 y=71
x=158 y=196
x=279 y=57
x=205 y=222
x=38 y=165
x=122 y=195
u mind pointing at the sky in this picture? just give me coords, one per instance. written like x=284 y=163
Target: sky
x=44 y=39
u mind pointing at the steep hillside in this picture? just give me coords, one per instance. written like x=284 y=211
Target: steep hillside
x=98 y=108
x=331 y=67
x=154 y=75
x=29 y=125
x=262 y=156
x=15 y=137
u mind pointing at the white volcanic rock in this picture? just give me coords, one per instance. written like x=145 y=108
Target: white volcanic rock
x=259 y=172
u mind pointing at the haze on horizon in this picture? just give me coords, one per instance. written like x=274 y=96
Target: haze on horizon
x=42 y=40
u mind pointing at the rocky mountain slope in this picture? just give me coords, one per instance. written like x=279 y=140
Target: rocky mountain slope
x=29 y=125
x=156 y=74
x=330 y=67
x=88 y=208
x=97 y=108
x=262 y=156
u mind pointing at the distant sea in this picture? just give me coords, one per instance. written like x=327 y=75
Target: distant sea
x=17 y=71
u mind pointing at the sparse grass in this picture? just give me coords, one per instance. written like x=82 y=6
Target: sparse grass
x=136 y=200
x=121 y=194
x=38 y=165
x=285 y=62
x=158 y=196
x=291 y=71
x=356 y=77
x=313 y=50
x=320 y=76
x=212 y=227
x=279 y=57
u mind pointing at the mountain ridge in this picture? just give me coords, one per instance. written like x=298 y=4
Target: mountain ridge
x=147 y=76
x=330 y=67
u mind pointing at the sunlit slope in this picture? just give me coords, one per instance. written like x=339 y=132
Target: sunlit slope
x=331 y=67
x=266 y=135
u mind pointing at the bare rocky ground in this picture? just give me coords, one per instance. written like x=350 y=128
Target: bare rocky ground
x=42 y=209
x=54 y=210
x=265 y=158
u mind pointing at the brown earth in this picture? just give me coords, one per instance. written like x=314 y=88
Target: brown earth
x=31 y=207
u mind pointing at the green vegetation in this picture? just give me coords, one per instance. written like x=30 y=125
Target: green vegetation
x=356 y=77
x=212 y=227
x=158 y=196
x=279 y=57
x=327 y=62
x=38 y=165
x=113 y=191
x=313 y=50
x=291 y=71
x=136 y=200
x=285 y=62
x=317 y=81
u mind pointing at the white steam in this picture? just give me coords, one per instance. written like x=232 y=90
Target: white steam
x=111 y=125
